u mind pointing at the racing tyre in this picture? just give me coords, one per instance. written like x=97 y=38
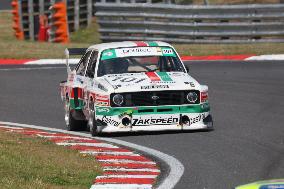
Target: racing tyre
x=209 y=122
x=92 y=123
x=71 y=123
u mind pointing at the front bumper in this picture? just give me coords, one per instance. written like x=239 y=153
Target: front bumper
x=197 y=117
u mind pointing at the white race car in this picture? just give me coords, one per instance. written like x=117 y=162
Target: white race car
x=133 y=86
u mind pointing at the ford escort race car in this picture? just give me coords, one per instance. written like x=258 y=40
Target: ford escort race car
x=133 y=86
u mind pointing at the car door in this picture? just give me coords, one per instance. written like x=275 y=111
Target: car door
x=79 y=82
x=90 y=81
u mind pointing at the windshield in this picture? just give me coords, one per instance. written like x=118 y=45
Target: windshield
x=129 y=63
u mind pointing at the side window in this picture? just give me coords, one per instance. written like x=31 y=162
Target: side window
x=80 y=70
x=92 y=65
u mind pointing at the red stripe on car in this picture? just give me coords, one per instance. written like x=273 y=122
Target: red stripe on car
x=153 y=76
x=140 y=43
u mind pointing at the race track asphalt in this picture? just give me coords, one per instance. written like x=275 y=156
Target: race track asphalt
x=247 y=101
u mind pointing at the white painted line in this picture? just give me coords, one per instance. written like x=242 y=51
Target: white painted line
x=267 y=57
x=120 y=186
x=63 y=137
x=126 y=176
x=87 y=144
x=127 y=161
x=132 y=170
x=108 y=153
x=176 y=168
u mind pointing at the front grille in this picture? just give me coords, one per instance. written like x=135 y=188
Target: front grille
x=156 y=98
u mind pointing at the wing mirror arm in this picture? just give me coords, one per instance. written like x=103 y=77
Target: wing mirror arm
x=187 y=68
x=67 y=60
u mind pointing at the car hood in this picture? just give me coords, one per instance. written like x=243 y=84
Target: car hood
x=151 y=81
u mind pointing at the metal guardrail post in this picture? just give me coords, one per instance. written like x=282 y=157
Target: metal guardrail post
x=41 y=7
x=90 y=11
x=31 y=19
x=20 y=15
x=76 y=15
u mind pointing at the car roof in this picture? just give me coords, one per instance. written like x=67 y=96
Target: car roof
x=125 y=44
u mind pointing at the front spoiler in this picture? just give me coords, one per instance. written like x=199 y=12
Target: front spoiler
x=196 y=126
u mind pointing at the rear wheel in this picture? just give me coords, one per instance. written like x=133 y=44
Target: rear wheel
x=71 y=123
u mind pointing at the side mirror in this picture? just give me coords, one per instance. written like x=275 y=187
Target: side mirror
x=187 y=68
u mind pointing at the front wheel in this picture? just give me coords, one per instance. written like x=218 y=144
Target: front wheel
x=93 y=124
x=209 y=122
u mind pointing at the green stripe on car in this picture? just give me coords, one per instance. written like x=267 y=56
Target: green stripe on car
x=152 y=43
x=153 y=110
x=80 y=104
x=164 y=76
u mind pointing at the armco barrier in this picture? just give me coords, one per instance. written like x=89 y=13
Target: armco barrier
x=162 y=20
x=79 y=14
x=190 y=24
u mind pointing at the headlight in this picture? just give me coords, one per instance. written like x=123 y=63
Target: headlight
x=117 y=99
x=192 y=97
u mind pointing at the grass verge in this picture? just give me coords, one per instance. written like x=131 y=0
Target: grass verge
x=29 y=162
x=16 y=49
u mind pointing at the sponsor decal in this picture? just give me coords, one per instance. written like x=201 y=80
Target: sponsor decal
x=142 y=50
x=100 y=110
x=102 y=97
x=189 y=83
x=137 y=51
x=102 y=104
x=108 y=54
x=102 y=100
x=116 y=86
x=168 y=52
x=110 y=121
x=128 y=79
x=100 y=86
x=196 y=119
x=155 y=87
x=155 y=121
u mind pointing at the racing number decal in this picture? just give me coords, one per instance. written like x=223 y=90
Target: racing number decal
x=128 y=79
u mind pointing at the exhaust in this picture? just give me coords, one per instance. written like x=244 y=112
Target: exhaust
x=185 y=120
x=126 y=120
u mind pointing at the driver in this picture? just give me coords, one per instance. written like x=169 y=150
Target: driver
x=121 y=65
